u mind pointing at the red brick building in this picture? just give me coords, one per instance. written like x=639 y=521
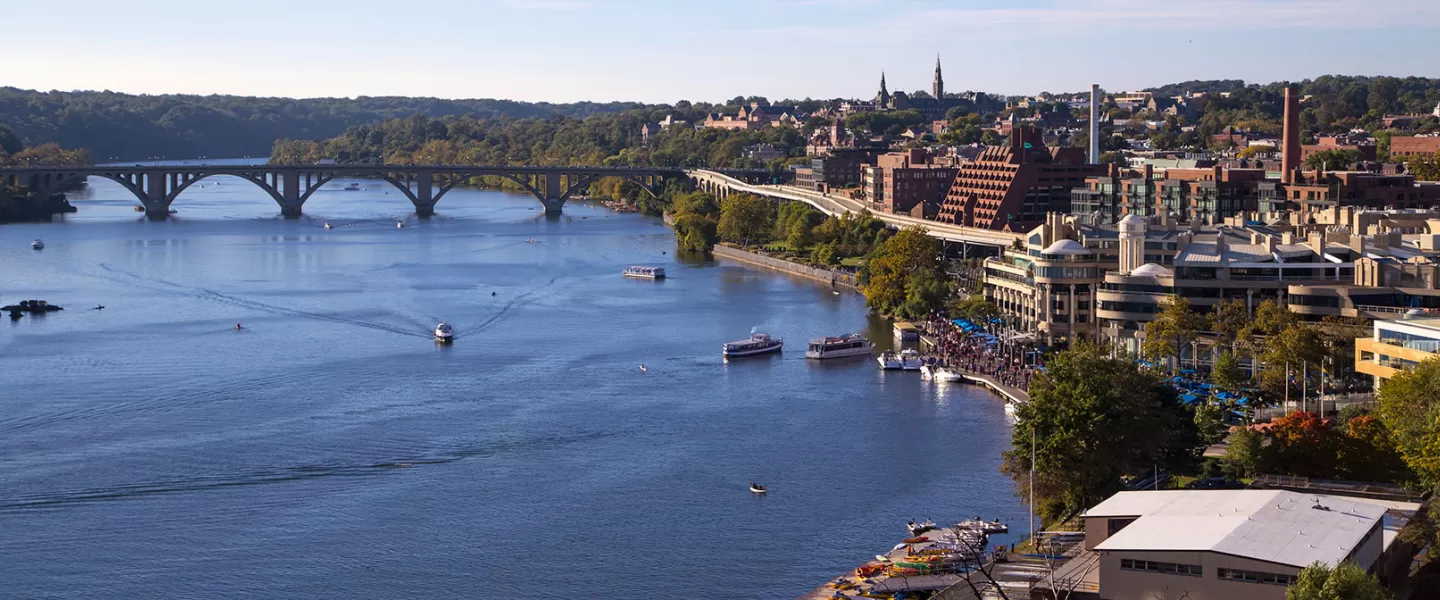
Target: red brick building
x=842 y=167
x=910 y=182
x=1011 y=187
x=1404 y=146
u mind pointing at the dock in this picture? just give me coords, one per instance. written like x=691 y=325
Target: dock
x=851 y=585
x=1011 y=394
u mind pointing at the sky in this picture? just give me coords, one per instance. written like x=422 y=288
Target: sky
x=669 y=50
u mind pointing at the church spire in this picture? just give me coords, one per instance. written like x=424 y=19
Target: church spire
x=883 y=98
x=939 y=86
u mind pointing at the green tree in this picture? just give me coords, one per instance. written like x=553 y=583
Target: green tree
x=1345 y=581
x=746 y=219
x=905 y=276
x=824 y=254
x=696 y=203
x=1425 y=167
x=1226 y=375
x=9 y=142
x=1243 y=455
x=977 y=309
x=1174 y=327
x=1332 y=160
x=1291 y=359
x=695 y=232
x=1229 y=319
x=1410 y=410
x=799 y=237
x=1094 y=419
x=1209 y=422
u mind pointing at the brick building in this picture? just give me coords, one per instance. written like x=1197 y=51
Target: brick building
x=1404 y=146
x=910 y=182
x=842 y=167
x=1011 y=187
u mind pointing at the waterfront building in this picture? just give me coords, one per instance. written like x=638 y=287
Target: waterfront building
x=1397 y=345
x=1012 y=187
x=1196 y=194
x=1226 y=544
x=911 y=182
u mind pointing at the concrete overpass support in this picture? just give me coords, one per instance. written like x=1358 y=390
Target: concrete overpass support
x=554 y=194
x=290 y=198
x=157 y=195
x=424 y=194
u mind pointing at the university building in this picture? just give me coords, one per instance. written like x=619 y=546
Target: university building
x=1013 y=187
x=911 y=182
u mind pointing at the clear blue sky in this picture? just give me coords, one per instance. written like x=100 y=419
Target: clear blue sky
x=669 y=50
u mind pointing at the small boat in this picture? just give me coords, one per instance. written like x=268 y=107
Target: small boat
x=139 y=208
x=399 y=225
x=1011 y=413
x=938 y=373
x=756 y=488
x=918 y=528
x=444 y=333
x=759 y=343
x=100 y=307
x=354 y=187
x=642 y=368
x=37 y=245
x=906 y=360
x=328 y=226
x=644 y=272
x=982 y=526
x=839 y=347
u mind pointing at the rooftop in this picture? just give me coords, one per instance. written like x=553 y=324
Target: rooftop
x=1275 y=526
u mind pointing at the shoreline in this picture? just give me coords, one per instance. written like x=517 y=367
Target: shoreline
x=834 y=278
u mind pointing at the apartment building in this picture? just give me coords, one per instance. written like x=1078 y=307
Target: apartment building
x=1397 y=345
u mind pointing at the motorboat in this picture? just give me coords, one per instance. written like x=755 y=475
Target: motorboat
x=756 y=488
x=354 y=187
x=759 y=343
x=938 y=373
x=329 y=226
x=444 y=333
x=644 y=272
x=839 y=347
x=910 y=360
x=1011 y=413
x=919 y=528
x=37 y=245
x=906 y=360
x=399 y=225
x=982 y=526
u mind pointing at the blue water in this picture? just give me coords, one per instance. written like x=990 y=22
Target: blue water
x=331 y=450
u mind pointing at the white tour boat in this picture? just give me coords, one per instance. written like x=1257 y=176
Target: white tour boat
x=644 y=272
x=37 y=245
x=938 y=373
x=444 y=333
x=759 y=343
x=839 y=347
x=354 y=187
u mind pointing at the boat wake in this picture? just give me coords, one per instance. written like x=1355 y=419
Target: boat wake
x=162 y=285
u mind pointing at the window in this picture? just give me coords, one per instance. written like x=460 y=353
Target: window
x=1151 y=566
x=1254 y=577
x=1114 y=525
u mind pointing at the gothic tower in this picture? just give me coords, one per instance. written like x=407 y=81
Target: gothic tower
x=882 y=99
x=939 y=87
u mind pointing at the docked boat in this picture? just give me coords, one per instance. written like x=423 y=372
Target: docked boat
x=938 y=373
x=756 y=488
x=37 y=245
x=444 y=333
x=354 y=187
x=1011 y=413
x=644 y=272
x=919 y=528
x=982 y=526
x=906 y=360
x=759 y=343
x=839 y=347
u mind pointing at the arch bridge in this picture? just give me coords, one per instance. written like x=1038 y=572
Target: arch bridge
x=157 y=186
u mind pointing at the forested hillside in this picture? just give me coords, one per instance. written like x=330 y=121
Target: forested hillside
x=130 y=127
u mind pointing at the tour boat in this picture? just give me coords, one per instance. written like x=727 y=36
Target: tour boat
x=839 y=347
x=906 y=360
x=643 y=272
x=759 y=343
x=756 y=488
x=938 y=373
x=444 y=333
x=37 y=245
x=354 y=187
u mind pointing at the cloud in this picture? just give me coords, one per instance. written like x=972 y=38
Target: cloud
x=548 y=4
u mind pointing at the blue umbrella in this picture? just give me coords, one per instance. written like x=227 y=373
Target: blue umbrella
x=1189 y=398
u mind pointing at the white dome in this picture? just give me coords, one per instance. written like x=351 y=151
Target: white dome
x=1133 y=223
x=1150 y=270
x=1066 y=247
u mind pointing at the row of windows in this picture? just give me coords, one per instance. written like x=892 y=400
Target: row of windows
x=1161 y=567
x=1254 y=576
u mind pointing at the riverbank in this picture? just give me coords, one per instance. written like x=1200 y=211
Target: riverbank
x=832 y=277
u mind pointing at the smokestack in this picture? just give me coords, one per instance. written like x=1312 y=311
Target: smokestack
x=1290 y=145
x=1094 y=124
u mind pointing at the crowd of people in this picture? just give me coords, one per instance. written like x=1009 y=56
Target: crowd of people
x=1012 y=364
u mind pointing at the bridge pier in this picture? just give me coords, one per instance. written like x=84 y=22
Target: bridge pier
x=425 y=211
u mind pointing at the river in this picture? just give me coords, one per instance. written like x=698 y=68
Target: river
x=330 y=449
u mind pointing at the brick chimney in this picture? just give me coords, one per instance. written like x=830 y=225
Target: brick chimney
x=1290 y=144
